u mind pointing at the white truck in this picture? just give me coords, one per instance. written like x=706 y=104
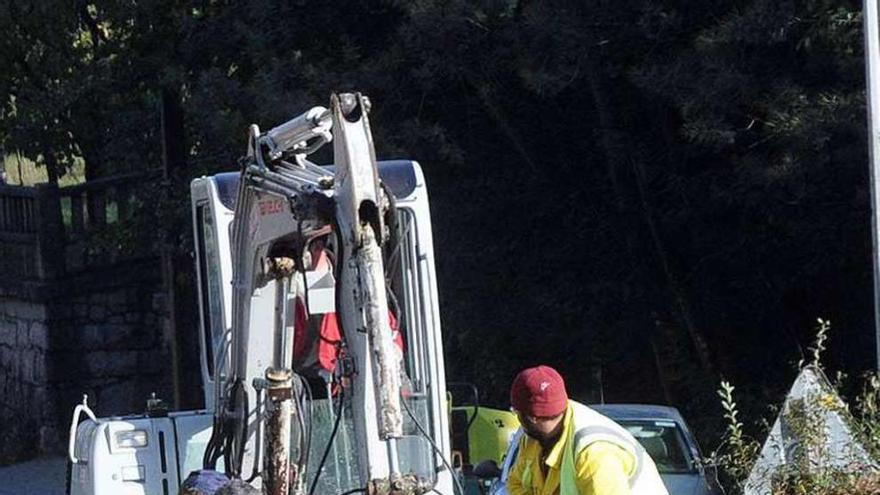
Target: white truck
x=321 y=351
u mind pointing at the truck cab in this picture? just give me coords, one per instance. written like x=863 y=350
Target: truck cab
x=153 y=452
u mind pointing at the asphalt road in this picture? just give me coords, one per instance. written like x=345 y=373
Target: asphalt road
x=38 y=477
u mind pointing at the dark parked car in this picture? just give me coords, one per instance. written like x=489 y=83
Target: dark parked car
x=665 y=436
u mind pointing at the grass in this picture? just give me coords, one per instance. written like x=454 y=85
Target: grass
x=21 y=171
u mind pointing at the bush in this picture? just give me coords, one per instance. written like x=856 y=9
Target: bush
x=810 y=468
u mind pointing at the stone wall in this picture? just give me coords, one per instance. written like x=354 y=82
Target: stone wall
x=27 y=410
x=104 y=333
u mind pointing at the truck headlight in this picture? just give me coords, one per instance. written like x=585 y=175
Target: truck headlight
x=131 y=439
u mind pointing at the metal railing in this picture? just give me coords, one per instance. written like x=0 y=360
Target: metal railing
x=18 y=210
x=46 y=231
x=19 y=219
x=106 y=220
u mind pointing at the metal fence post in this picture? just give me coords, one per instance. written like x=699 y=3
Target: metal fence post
x=50 y=232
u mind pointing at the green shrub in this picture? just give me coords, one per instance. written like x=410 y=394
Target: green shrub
x=809 y=470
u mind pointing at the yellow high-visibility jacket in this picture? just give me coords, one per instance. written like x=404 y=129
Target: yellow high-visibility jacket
x=593 y=456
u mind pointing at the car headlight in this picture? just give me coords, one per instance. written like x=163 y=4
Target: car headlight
x=131 y=439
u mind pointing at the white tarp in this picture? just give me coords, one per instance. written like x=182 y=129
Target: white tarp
x=826 y=413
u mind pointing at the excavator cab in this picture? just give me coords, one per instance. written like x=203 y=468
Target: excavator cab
x=412 y=308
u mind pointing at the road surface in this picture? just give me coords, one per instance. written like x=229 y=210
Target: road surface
x=38 y=477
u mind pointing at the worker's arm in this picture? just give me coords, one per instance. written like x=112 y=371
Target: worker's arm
x=602 y=469
x=515 y=484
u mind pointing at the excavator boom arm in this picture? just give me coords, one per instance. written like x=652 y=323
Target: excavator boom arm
x=284 y=202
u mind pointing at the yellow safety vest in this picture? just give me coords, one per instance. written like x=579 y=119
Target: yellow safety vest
x=586 y=427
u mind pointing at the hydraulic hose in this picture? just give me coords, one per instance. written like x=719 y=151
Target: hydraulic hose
x=437 y=450
x=329 y=442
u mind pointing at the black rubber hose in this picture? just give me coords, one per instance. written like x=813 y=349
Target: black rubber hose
x=255 y=471
x=437 y=450
x=476 y=393
x=329 y=443
x=305 y=402
x=234 y=450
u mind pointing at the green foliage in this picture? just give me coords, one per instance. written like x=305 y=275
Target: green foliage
x=737 y=453
x=659 y=190
x=809 y=469
x=22 y=171
x=830 y=483
x=867 y=411
x=819 y=345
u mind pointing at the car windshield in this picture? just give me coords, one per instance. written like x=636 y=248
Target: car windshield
x=664 y=443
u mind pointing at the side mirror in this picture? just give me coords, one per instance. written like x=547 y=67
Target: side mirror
x=487 y=469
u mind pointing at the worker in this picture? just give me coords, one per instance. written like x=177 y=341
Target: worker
x=570 y=449
x=317 y=338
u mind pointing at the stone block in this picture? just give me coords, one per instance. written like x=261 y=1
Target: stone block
x=68 y=365
x=5 y=353
x=97 y=313
x=62 y=312
x=160 y=303
x=87 y=336
x=21 y=333
x=38 y=335
x=7 y=334
x=131 y=337
x=81 y=310
x=112 y=363
x=50 y=439
x=64 y=338
x=40 y=371
x=151 y=362
x=6 y=320
x=111 y=336
x=119 y=398
x=145 y=338
x=27 y=362
x=107 y=336
x=113 y=299
x=13 y=386
x=29 y=311
x=40 y=396
x=98 y=364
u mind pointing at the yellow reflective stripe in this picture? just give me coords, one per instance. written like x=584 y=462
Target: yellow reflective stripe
x=527 y=475
x=567 y=476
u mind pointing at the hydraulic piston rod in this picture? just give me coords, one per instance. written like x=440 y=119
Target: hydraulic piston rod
x=279 y=385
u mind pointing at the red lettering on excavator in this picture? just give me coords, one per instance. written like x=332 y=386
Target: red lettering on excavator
x=271 y=207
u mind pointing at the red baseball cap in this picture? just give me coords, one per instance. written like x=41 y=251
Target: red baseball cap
x=539 y=391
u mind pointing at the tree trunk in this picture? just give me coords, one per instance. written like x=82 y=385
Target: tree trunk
x=678 y=292
x=661 y=371
x=621 y=157
x=52 y=167
x=484 y=93
x=182 y=331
